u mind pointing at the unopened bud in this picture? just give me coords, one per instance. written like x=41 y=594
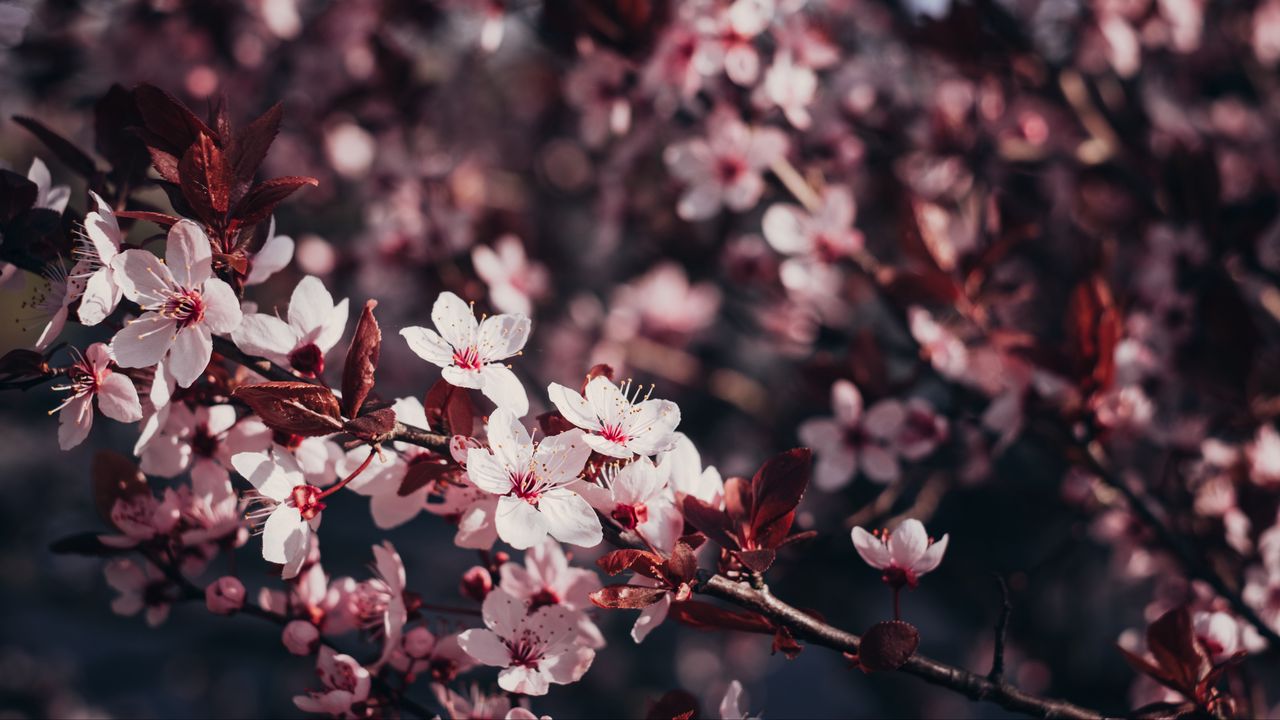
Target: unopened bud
x=419 y=642
x=225 y=595
x=476 y=584
x=301 y=637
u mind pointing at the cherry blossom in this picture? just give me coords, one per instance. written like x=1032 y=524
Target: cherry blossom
x=684 y=475
x=597 y=87
x=546 y=578
x=476 y=704
x=635 y=497
x=723 y=169
x=534 y=484
x=289 y=509
x=534 y=649
x=946 y=352
x=381 y=483
x=48 y=196
x=315 y=325
x=791 y=87
x=89 y=378
x=203 y=440
x=441 y=659
x=617 y=425
x=225 y=595
x=346 y=685
x=96 y=254
x=731 y=32
x=275 y=255
x=471 y=354
x=731 y=703
x=140 y=587
x=472 y=510
x=853 y=440
x=515 y=281
x=183 y=304
x=47 y=307
x=905 y=555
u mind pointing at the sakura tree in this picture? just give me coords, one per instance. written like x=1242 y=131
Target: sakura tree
x=621 y=359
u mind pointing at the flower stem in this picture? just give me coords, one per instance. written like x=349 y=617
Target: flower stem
x=343 y=482
x=897 y=607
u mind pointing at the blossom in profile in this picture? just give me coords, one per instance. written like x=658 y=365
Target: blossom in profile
x=617 y=425
x=471 y=353
x=534 y=649
x=183 y=305
x=534 y=484
x=315 y=324
x=289 y=508
x=905 y=554
x=90 y=378
x=95 y=257
x=345 y=684
x=48 y=196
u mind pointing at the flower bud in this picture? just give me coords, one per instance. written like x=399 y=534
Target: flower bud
x=476 y=584
x=301 y=637
x=225 y=595
x=419 y=642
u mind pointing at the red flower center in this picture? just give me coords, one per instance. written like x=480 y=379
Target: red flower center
x=467 y=359
x=185 y=306
x=307 y=360
x=307 y=499
x=543 y=598
x=630 y=516
x=614 y=433
x=203 y=442
x=729 y=168
x=525 y=485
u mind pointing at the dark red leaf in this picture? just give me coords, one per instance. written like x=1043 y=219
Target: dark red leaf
x=777 y=488
x=705 y=616
x=374 y=427
x=1093 y=331
x=627 y=597
x=166 y=164
x=161 y=219
x=205 y=180
x=262 y=199
x=1171 y=639
x=675 y=705
x=17 y=195
x=553 y=423
x=77 y=160
x=757 y=560
x=172 y=123
x=425 y=470
x=115 y=477
x=449 y=409
x=362 y=361
x=708 y=521
x=640 y=561
x=600 y=370
x=293 y=407
x=22 y=363
x=115 y=116
x=683 y=565
x=1150 y=669
x=251 y=145
x=887 y=646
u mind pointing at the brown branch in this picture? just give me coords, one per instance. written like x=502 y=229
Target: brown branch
x=971 y=685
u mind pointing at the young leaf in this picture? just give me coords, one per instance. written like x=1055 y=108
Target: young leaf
x=627 y=597
x=373 y=427
x=72 y=156
x=262 y=199
x=293 y=407
x=887 y=646
x=205 y=182
x=362 y=361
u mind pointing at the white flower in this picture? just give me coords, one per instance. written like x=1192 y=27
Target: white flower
x=723 y=169
x=514 y=281
x=91 y=377
x=290 y=507
x=533 y=482
x=533 y=649
x=315 y=326
x=636 y=497
x=48 y=196
x=681 y=468
x=853 y=439
x=618 y=426
x=275 y=255
x=346 y=684
x=904 y=555
x=827 y=234
x=471 y=353
x=183 y=303
x=94 y=257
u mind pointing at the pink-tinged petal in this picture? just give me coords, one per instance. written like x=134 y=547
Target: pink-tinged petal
x=454 y=320
x=219 y=418
x=428 y=345
x=555 y=626
x=689 y=161
x=520 y=524
x=260 y=469
x=650 y=618
x=743 y=194
x=503 y=613
x=786 y=227
x=731 y=704
x=144 y=341
x=309 y=306
x=638 y=482
x=502 y=336
x=142 y=277
x=907 y=543
x=608 y=447
x=266 y=336
x=569 y=518
x=519 y=713
x=835 y=468
x=486 y=473
x=390 y=509
x=846 y=402
x=486 y=647
x=699 y=202
x=476 y=528
x=389 y=566
x=884 y=420
x=573 y=406
x=118 y=398
x=334 y=326
x=767 y=146
x=221 y=308
x=523 y=680
x=838 y=208
x=879 y=464
x=192 y=348
x=284 y=535
x=932 y=557
x=274 y=256
x=517 y=581
x=569 y=666
x=74 y=422
x=188 y=254
x=871 y=549
x=500 y=385
x=742 y=65
x=52 y=329
x=100 y=298
x=561 y=458
x=459 y=377
x=101 y=228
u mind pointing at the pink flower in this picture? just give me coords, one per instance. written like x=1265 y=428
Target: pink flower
x=224 y=595
x=472 y=354
x=636 y=498
x=1264 y=456
x=921 y=431
x=731 y=703
x=289 y=508
x=346 y=684
x=682 y=471
x=547 y=578
x=671 y=75
x=275 y=255
x=731 y=47
x=534 y=484
x=95 y=258
x=662 y=304
x=300 y=637
x=852 y=439
x=391 y=581
x=534 y=649
x=946 y=352
x=473 y=511
x=91 y=377
x=48 y=306
x=183 y=305
x=141 y=588
x=381 y=482
x=315 y=326
x=724 y=169
x=203 y=439
x=597 y=87
x=441 y=658
x=514 y=281
x=142 y=517
x=789 y=86
x=48 y=196
x=616 y=425
x=826 y=234
x=905 y=555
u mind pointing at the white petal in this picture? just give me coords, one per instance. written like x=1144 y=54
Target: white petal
x=573 y=407
x=334 y=326
x=650 y=618
x=192 y=348
x=74 y=422
x=500 y=385
x=142 y=277
x=274 y=256
x=931 y=558
x=221 y=308
x=265 y=335
x=260 y=469
x=872 y=550
x=520 y=524
x=428 y=345
x=560 y=458
x=143 y=341
x=188 y=254
x=101 y=296
x=102 y=229
x=454 y=320
x=651 y=426
x=503 y=613
x=284 y=535
x=846 y=401
x=569 y=518
x=523 y=680
x=485 y=647
x=786 y=227
x=907 y=543
x=502 y=336
x=608 y=447
x=118 y=398
x=569 y=666
x=459 y=377
x=390 y=509
x=309 y=306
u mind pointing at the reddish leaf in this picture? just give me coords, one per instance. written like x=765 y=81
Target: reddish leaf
x=251 y=145
x=683 y=565
x=424 y=470
x=1093 y=331
x=115 y=115
x=262 y=199
x=449 y=409
x=705 y=616
x=777 y=488
x=600 y=370
x=165 y=163
x=168 y=119
x=22 y=363
x=293 y=407
x=887 y=646
x=161 y=219
x=373 y=427
x=553 y=423
x=115 y=477
x=362 y=361
x=675 y=705
x=708 y=521
x=640 y=561
x=757 y=560
x=1171 y=639
x=205 y=179
x=73 y=157
x=784 y=642
x=627 y=597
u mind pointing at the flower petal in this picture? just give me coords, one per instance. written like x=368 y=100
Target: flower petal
x=569 y=518
x=221 y=308
x=486 y=647
x=871 y=549
x=143 y=341
x=192 y=348
x=502 y=336
x=520 y=524
x=907 y=543
x=454 y=320
x=428 y=345
x=573 y=407
x=118 y=398
x=188 y=254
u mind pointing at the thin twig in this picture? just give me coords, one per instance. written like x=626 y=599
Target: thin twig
x=1002 y=628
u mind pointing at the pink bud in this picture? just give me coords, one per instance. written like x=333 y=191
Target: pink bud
x=476 y=584
x=419 y=642
x=225 y=595
x=301 y=637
